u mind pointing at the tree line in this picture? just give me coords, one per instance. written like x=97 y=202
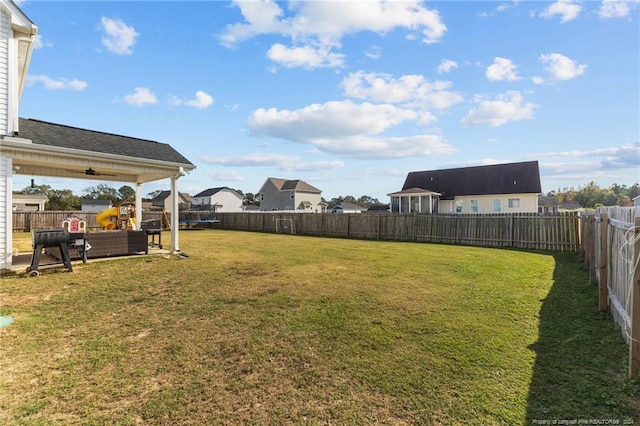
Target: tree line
x=588 y=196
x=591 y=195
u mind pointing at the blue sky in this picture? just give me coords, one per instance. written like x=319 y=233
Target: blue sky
x=348 y=96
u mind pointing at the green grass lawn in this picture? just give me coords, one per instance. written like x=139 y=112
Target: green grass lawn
x=278 y=329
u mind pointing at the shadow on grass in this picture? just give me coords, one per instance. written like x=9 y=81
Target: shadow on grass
x=580 y=372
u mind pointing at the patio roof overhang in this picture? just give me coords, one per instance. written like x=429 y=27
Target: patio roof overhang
x=42 y=160
x=413 y=191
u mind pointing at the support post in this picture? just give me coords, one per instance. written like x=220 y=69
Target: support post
x=603 y=291
x=634 y=333
x=175 y=246
x=138 y=204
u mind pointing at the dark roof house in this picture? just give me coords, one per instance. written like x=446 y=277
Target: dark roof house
x=511 y=178
x=499 y=188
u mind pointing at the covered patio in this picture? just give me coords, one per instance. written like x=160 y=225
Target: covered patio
x=414 y=200
x=41 y=148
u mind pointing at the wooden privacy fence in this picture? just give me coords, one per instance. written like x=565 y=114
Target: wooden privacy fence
x=611 y=250
x=559 y=232
x=29 y=220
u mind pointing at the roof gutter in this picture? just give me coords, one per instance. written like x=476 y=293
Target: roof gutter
x=28 y=146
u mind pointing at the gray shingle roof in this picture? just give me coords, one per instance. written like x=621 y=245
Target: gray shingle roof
x=58 y=135
x=209 y=192
x=547 y=201
x=163 y=195
x=510 y=178
x=295 y=185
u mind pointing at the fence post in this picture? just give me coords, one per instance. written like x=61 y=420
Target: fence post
x=591 y=248
x=511 y=230
x=634 y=333
x=603 y=291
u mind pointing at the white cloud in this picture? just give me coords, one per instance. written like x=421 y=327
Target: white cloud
x=407 y=89
x=625 y=156
x=280 y=161
x=118 y=37
x=616 y=8
x=38 y=43
x=328 y=120
x=536 y=79
x=141 y=96
x=504 y=109
x=305 y=56
x=226 y=176
x=60 y=84
x=561 y=67
x=506 y=6
x=202 y=100
x=446 y=65
x=386 y=147
x=316 y=27
x=502 y=69
x=348 y=128
x=568 y=10
x=374 y=52
x=261 y=17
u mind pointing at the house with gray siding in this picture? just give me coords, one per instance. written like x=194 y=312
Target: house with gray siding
x=290 y=195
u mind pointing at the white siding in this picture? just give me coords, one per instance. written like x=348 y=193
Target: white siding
x=230 y=201
x=5 y=212
x=528 y=203
x=314 y=199
x=5 y=35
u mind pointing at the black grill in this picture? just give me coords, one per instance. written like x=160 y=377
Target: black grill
x=153 y=227
x=48 y=238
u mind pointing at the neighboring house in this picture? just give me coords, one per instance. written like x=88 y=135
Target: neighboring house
x=570 y=207
x=163 y=201
x=379 y=208
x=290 y=195
x=547 y=204
x=500 y=188
x=24 y=202
x=347 y=208
x=636 y=201
x=95 y=206
x=222 y=200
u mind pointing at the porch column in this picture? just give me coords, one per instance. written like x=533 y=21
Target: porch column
x=138 y=204
x=175 y=246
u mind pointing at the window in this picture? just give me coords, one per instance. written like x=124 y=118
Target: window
x=458 y=206
x=395 y=204
x=404 y=205
x=474 y=206
x=497 y=205
x=514 y=203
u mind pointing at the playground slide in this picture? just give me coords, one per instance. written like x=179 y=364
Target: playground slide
x=103 y=218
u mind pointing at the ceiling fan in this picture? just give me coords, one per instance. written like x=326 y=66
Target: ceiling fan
x=90 y=172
